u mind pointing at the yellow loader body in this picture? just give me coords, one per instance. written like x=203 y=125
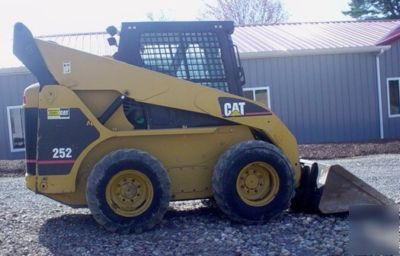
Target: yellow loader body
x=189 y=154
x=126 y=135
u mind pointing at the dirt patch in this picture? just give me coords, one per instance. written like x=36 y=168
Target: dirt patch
x=11 y=168
x=344 y=150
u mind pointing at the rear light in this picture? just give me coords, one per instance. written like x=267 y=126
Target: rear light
x=24 y=100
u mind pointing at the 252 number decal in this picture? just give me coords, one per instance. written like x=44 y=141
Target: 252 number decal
x=62 y=153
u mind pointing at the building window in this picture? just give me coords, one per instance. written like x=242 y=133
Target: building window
x=16 y=129
x=393 y=87
x=259 y=94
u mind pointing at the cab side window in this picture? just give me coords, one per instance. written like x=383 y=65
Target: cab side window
x=194 y=56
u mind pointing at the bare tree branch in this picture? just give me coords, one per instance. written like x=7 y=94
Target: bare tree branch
x=246 y=12
x=161 y=15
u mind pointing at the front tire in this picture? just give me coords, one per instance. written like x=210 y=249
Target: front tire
x=128 y=190
x=253 y=182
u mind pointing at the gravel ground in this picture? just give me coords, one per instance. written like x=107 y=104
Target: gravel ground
x=12 y=168
x=34 y=225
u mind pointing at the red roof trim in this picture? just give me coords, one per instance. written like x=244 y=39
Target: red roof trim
x=391 y=37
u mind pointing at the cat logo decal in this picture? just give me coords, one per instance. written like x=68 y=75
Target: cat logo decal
x=234 y=107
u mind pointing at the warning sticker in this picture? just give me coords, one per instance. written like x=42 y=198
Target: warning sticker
x=57 y=113
x=66 y=68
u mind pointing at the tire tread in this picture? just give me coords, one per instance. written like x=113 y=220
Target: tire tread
x=221 y=171
x=100 y=171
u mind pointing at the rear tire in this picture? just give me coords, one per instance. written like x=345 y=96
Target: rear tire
x=128 y=190
x=253 y=182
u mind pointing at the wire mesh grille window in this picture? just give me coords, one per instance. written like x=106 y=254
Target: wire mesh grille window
x=194 y=56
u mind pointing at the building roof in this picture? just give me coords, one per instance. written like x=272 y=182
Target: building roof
x=308 y=37
x=274 y=40
x=13 y=70
x=93 y=42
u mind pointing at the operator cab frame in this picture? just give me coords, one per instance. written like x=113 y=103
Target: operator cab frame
x=201 y=52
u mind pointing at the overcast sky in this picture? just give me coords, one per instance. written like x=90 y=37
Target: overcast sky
x=45 y=17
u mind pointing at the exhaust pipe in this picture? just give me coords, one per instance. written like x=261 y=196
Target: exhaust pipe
x=26 y=50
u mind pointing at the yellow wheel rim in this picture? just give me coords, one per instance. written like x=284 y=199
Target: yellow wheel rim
x=257 y=184
x=129 y=193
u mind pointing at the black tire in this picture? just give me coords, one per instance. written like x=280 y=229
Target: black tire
x=114 y=163
x=226 y=174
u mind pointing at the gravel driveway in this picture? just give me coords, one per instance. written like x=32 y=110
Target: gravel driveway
x=34 y=225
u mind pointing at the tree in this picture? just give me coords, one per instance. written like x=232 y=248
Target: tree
x=247 y=12
x=374 y=9
x=162 y=15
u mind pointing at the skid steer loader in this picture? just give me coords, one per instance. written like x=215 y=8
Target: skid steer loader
x=164 y=119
